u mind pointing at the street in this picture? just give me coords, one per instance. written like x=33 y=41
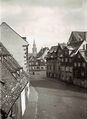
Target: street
x=56 y=100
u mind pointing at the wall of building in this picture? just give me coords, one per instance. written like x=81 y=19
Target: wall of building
x=14 y=43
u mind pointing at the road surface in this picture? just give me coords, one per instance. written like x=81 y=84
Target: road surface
x=56 y=99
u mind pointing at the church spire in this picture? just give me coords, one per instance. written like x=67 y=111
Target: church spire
x=34 y=49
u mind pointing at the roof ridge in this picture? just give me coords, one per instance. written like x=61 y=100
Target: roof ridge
x=13 y=30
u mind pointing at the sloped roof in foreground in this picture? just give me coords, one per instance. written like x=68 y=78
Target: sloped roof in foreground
x=12 y=81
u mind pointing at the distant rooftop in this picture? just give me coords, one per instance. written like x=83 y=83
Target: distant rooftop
x=41 y=52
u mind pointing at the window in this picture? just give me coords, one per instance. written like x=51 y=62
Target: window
x=67 y=68
x=37 y=67
x=62 y=59
x=70 y=69
x=75 y=64
x=53 y=67
x=66 y=52
x=42 y=68
x=30 y=63
x=66 y=60
x=70 y=60
x=62 y=68
x=32 y=67
x=79 y=64
x=78 y=56
x=50 y=67
x=36 y=63
x=82 y=73
x=83 y=64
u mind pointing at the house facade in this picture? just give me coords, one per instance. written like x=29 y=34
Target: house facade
x=16 y=45
x=64 y=64
x=51 y=62
x=38 y=62
x=80 y=68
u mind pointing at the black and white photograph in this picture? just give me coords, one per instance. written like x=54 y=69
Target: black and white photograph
x=43 y=59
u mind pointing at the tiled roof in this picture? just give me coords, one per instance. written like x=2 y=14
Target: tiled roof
x=3 y=50
x=53 y=49
x=76 y=38
x=62 y=45
x=75 y=41
x=41 y=52
x=84 y=54
x=76 y=48
x=52 y=52
x=12 y=83
x=32 y=58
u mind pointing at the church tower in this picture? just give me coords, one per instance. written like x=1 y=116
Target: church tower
x=34 y=49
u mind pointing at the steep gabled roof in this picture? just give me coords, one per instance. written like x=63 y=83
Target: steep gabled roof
x=62 y=45
x=11 y=85
x=53 y=49
x=76 y=38
x=52 y=52
x=4 y=25
x=41 y=52
x=75 y=41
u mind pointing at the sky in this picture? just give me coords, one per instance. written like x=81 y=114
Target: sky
x=48 y=22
